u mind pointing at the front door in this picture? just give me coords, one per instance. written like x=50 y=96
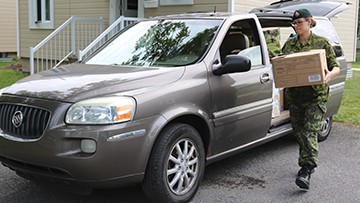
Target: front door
x=127 y=8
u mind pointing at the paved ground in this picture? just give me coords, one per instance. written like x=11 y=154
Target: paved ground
x=267 y=173
x=262 y=175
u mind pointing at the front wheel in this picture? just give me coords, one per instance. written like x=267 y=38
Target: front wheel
x=176 y=165
x=326 y=126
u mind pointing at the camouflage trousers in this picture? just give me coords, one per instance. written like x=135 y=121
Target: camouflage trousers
x=306 y=121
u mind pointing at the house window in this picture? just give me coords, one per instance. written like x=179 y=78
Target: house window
x=41 y=14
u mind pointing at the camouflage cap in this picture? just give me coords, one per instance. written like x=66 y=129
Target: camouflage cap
x=301 y=13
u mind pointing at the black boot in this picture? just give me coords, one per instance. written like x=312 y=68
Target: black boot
x=304 y=168
x=303 y=179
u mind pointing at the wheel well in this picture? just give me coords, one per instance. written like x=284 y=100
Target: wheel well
x=199 y=124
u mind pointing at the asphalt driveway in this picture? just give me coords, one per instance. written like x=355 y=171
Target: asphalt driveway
x=264 y=174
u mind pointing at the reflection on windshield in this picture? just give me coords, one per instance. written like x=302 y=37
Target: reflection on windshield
x=159 y=43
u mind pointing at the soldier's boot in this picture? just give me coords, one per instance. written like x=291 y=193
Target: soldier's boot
x=304 y=168
x=303 y=179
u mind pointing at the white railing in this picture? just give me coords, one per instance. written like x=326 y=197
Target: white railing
x=74 y=34
x=118 y=25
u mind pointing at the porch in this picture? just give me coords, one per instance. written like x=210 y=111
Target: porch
x=74 y=40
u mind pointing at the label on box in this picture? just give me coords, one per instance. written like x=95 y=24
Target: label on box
x=314 y=78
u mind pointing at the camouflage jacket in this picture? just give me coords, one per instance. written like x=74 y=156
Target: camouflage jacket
x=313 y=93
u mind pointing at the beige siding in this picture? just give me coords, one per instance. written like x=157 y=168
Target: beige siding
x=345 y=25
x=248 y=5
x=8 y=26
x=199 y=5
x=63 y=9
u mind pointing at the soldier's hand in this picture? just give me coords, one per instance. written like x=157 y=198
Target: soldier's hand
x=330 y=74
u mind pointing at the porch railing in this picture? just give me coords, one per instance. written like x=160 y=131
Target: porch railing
x=74 y=34
x=118 y=25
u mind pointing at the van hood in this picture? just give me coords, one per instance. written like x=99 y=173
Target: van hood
x=75 y=82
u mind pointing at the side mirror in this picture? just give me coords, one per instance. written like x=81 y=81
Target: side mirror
x=233 y=64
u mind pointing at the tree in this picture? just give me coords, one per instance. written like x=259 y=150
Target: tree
x=158 y=42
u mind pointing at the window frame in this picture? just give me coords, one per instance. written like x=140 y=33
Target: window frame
x=33 y=15
x=251 y=31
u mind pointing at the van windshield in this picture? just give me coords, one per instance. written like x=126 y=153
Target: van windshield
x=168 y=43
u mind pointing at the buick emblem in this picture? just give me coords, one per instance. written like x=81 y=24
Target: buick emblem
x=17 y=119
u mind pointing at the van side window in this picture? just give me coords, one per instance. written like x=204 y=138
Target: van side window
x=242 y=38
x=325 y=28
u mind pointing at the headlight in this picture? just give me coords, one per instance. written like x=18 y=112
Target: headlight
x=104 y=110
x=2 y=90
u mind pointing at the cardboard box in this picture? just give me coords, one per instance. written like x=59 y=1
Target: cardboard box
x=282 y=99
x=299 y=69
x=276 y=104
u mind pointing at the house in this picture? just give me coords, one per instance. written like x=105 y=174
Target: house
x=8 y=33
x=38 y=18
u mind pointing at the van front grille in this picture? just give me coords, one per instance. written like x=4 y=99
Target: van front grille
x=23 y=122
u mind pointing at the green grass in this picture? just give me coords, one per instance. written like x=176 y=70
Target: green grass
x=356 y=64
x=2 y=64
x=9 y=76
x=349 y=111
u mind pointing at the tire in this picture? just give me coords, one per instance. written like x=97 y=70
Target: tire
x=326 y=127
x=176 y=165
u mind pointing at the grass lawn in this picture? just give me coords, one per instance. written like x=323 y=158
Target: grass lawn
x=349 y=111
x=2 y=64
x=356 y=64
x=9 y=76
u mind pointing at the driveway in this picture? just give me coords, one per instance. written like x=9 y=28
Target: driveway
x=263 y=174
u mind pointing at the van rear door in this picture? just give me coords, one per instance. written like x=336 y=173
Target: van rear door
x=286 y=8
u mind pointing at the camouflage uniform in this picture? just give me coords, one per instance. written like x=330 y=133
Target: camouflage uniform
x=307 y=103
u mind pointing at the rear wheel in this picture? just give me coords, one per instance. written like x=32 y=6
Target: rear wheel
x=176 y=165
x=326 y=126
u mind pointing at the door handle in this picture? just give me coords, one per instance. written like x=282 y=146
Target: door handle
x=265 y=77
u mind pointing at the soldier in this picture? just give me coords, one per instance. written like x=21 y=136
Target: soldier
x=307 y=103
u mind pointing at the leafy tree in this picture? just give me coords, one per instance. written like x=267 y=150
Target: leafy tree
x=158 y=43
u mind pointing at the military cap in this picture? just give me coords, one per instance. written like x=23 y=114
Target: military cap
x=301 y=13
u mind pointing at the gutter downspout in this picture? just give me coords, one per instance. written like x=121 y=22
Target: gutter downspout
x=17 y=30
x=231 y=6
x=141 y=10
x=356 y=25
